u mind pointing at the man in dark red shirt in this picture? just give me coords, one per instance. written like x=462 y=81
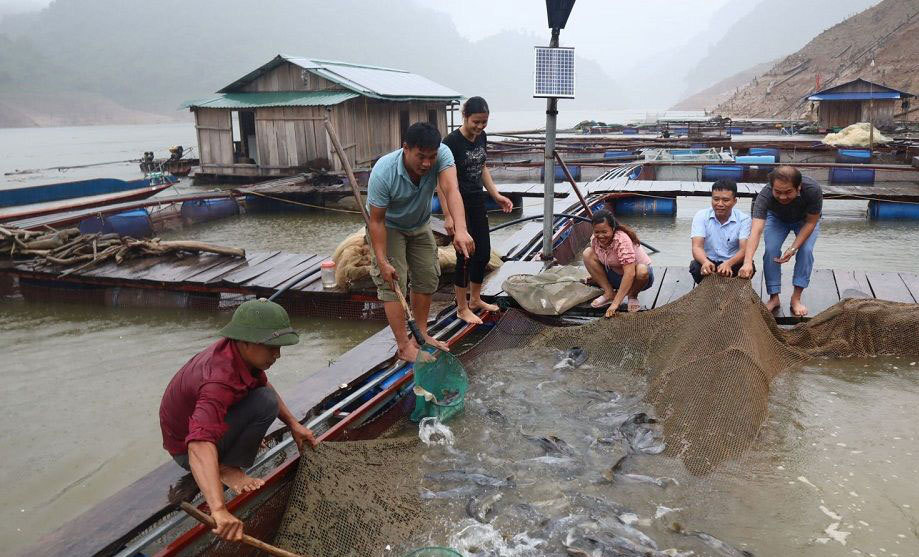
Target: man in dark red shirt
x=217 y=408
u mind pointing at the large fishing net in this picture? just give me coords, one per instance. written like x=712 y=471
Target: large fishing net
x=707 y=358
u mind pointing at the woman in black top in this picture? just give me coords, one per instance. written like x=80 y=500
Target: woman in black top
x=468 y=144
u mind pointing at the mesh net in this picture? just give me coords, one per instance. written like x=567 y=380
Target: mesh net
x=708 y=359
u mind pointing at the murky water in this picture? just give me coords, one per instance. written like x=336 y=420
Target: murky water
x=83 y=383
x=818 y=482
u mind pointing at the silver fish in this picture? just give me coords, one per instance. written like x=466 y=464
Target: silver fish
x=719 y=546
x=471 y=477
x=615 y=473
x=455 y=493
x=572 y=358
x=550 y=443
x=480 y=507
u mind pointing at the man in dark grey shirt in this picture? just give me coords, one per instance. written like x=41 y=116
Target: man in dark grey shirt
x=789 y=203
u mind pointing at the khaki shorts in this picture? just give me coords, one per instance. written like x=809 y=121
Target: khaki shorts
x=414 y=255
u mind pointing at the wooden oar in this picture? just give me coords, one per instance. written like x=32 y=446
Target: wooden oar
x=207 y=520
x=346 y=163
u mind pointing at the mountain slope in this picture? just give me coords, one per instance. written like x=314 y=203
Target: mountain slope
x=151 y=55
x=887 y=34
x=771 y=30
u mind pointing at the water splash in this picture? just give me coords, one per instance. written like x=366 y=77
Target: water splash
x=432 y=432
x=484 y=539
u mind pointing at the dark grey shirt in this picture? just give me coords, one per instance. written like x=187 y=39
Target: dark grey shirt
x=809 y=202
x=470 y=160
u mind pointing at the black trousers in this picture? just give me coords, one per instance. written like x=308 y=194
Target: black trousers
x=473 y=269
x=695 y=269
x=248 y=420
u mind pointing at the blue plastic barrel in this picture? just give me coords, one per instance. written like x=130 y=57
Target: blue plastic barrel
x=681 y=131
x=134 y=223
x=574 y=169
x=715 y=172
x=755 y=159
x=435 y=205
x=616 y=155
x=766 y=152
x=635 y=173
x=890 y=210
x=857 y=156
x=735 y=131
x=203 y=210
x=851 y=176
x=629 y=131
x=659 y=206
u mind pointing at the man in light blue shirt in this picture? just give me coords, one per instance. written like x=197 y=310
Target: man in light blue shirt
x=719 y=234
x=399 y=196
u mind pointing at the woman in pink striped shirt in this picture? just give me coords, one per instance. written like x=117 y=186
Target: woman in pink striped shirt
x=617 y=263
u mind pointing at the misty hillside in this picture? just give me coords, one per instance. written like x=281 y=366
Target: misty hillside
x=149 y=56
x=887 y=34
x=770 y=30
x=722 y=91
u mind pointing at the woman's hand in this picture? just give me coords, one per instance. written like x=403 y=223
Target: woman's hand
x=506 y=204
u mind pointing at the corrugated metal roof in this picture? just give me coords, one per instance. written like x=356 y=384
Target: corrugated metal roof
x=371 y=81
x=278 y=98
x=853 y=96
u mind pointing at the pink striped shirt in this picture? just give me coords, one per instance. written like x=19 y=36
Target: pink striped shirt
x=621 y=251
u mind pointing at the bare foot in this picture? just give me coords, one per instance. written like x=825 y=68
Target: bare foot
x=481 y=304
x=408 y=353
x=468 y=316
x=440 y=345
x=797 y=308
x=773 y=303
x=238 y=481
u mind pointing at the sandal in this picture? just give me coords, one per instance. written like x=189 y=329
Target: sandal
x=634 y=305
x=600 y=301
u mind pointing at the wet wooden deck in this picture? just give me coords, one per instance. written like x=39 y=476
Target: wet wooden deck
x=827 y=287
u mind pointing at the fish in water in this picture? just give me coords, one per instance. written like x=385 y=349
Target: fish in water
x=455 y=493
x=595 y=504
x=719 y=546
x=615 y=473
x=572 y=358
x=495 y=416
x=642 y=435
x=595 y=394
x=589 y=544
x=480 y=508
x=550 y=443
x=449 y=398
x=470 y=477
x=620 y=528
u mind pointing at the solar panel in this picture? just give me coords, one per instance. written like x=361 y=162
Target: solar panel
x=554 y=72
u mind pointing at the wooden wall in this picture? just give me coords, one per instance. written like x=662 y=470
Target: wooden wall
x=291 y=138
x=215 y=136
x=839 y=114
x=288 y=77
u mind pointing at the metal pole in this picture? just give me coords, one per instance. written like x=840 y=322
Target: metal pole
x=549 y=168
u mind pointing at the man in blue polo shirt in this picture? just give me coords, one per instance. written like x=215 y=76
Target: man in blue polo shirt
x=399 y=195
x=719 y=234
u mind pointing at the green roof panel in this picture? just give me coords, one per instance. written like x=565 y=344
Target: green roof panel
x=239 y=101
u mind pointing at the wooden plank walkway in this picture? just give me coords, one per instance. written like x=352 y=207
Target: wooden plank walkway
x=675 y=188
x=827 y=287
x=258 y=273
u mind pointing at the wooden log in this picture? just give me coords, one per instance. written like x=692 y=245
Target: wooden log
x=202 y=246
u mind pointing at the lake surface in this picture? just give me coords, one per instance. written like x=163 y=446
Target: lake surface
x=82 y=383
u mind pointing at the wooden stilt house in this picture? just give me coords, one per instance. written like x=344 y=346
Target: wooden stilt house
x=269 y=122
x=859 y=101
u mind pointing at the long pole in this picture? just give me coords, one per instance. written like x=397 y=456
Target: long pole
x=549 y=168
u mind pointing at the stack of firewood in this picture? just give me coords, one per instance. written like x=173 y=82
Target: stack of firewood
x=73 y=251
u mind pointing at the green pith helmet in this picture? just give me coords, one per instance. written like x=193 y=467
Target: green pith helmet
x=261 y=322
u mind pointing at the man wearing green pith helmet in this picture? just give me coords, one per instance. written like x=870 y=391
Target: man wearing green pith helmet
x=217 y=408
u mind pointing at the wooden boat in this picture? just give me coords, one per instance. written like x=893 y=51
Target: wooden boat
x=361 y=395
x=33 y=201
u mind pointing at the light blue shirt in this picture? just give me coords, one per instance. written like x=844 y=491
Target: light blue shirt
x=722 y=241
x=407 y=205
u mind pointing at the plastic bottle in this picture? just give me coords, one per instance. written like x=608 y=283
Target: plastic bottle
x=328 y=274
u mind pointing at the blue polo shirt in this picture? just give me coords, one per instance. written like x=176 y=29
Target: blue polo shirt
x=407 y=205
x=722 y=241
